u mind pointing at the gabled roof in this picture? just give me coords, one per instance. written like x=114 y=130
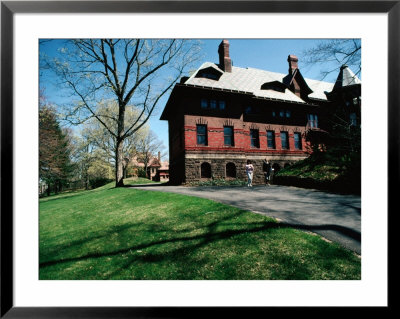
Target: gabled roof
x=250 y=80
x=297 y=76
x=154 y=162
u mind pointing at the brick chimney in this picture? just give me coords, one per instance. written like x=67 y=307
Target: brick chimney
x=292 y=59
x=225 y=62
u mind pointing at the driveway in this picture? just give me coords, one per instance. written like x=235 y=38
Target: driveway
x=335 y=217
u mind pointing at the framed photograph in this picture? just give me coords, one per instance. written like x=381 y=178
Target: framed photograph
x=28 y=290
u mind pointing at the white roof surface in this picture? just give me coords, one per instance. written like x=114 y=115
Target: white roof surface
x=349 y=78
x=250 y=80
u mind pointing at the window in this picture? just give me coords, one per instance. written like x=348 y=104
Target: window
x=312 y=120
x=285 y=140
x=273 y=113
x=252 y=109
x=210 y=76
x=353 y=119
x=288 y=113
x=230 y=170
x=271 y=139
x=213 y=104
x=228 y=135
x=282 y=113
x=254 y=138
x=205 y=170
x=297 y=141
x=201 y=134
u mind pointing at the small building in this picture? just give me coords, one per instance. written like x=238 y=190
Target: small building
x=156 y=170
x=163 y=172
x=224 y=115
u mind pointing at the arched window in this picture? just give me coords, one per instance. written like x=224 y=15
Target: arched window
x=205 y=170
x=231 y=170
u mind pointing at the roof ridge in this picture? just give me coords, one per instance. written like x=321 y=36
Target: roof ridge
x=261 y=70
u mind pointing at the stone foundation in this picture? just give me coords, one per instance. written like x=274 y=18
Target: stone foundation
x=219 y=166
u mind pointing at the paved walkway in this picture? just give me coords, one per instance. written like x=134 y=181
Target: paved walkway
x=333 y=216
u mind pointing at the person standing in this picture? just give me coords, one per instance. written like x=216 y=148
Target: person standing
x=267 y=170
x=249 y=172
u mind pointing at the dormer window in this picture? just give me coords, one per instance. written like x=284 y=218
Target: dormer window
x=210 y=76
x=209 y=73
x=274 y=85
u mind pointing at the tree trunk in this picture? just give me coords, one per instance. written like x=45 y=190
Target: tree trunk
x=86 y=179
x=119 y=169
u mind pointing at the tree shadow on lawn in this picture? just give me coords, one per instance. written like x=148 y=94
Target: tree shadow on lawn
x=134 y=227
x=187 y=245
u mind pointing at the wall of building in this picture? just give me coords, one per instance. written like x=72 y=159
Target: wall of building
x=215 y=136
x=219 y=163
x=186 y=156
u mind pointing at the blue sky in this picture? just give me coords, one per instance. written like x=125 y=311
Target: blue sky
x=266 y=54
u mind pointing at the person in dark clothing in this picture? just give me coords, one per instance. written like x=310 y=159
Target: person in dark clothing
x=266 y=170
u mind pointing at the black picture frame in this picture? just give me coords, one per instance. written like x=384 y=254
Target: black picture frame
x=9 y=8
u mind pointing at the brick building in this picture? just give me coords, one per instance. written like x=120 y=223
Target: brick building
x=223 y=115
x=156 y=170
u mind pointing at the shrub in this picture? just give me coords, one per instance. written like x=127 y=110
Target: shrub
x=219 y=182
x=141 y=173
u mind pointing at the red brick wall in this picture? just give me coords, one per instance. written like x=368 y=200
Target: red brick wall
x=215 y=135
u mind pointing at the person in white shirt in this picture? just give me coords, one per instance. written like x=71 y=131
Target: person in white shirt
x=249 y=172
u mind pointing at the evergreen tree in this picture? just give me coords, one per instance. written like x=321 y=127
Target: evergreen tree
x=54 y=151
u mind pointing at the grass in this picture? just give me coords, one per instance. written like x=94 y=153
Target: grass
x=122 y=233
x=307 y=169
x=137 y=180
x=341 y=175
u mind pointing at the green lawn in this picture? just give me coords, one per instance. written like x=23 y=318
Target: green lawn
x=123 y=233
x=137 y=180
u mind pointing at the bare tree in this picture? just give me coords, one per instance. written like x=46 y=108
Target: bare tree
x=129 y=71
x=332 y=54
